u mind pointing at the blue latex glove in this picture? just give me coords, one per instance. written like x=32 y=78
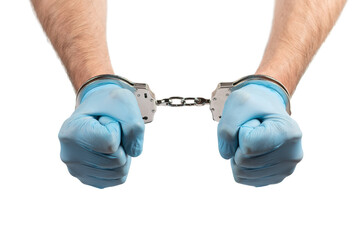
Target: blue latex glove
x=101 y=135
x=256 y=132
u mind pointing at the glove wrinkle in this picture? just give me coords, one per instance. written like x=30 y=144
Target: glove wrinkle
x=257 y=133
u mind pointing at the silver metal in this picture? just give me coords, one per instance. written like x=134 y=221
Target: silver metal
x=182 y=102
x=202 y=101
x=218 y=98
x=189 y=101
x=224 y=89
x=145 y=97
x=148 y=103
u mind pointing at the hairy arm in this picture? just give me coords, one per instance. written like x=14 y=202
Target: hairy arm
x=299 y=28
x=77 y=31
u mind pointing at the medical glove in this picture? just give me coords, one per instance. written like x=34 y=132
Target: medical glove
x=256 y=132
x=101 y=136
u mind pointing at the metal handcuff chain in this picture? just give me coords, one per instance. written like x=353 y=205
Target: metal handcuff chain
x=148 y=104
x=182 y=102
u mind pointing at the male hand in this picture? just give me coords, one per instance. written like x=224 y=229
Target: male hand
x=101 y=135
x=259 y=136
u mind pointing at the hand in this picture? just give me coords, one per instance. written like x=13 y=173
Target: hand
x=259 y=136
x=101 y=135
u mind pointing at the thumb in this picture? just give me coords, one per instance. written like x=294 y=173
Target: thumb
x=133 y=136
x=256 y=138
x=107 y=136
x=100 y=135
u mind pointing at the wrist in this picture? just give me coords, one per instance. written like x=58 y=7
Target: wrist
x=94 y=84
x=267 y=82
x=282 y=69
x=98 y=81
x=79 y=78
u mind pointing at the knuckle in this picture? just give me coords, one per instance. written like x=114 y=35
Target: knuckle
x=119 y=173
x=96 y=184
x=251 y=144
x=241 y=180
x=110 y=143
x=288 y=172
x=239 y=172
x=137 y=127
x=103 y=139
x=247 y=148
x=275 y=180
x=225 y=132
x=226 y=149
x=121 y=180
x=101 y=184
x=247 y=182
x=73 y=172
x=68 y=130
x=112 y=183
x=294 y=129
x=279 y=179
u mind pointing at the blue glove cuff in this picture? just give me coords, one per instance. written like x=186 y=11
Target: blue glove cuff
x=101 y=80
x=268 y=82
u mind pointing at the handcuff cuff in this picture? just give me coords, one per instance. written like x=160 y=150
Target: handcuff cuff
x=148 y=104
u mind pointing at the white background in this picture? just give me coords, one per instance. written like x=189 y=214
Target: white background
x=180 y=187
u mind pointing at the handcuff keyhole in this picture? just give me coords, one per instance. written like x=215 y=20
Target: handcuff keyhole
x=145 y=118
x=145 y=95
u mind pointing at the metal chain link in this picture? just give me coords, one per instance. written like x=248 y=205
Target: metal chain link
x=181 y=101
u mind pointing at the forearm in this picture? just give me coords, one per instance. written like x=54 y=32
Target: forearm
x=77 y=31
x=299 y=28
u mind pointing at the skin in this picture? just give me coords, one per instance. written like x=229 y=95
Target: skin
x=77 y=30
x=299 y=28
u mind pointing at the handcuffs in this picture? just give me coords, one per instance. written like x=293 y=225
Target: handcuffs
x=148 y=104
